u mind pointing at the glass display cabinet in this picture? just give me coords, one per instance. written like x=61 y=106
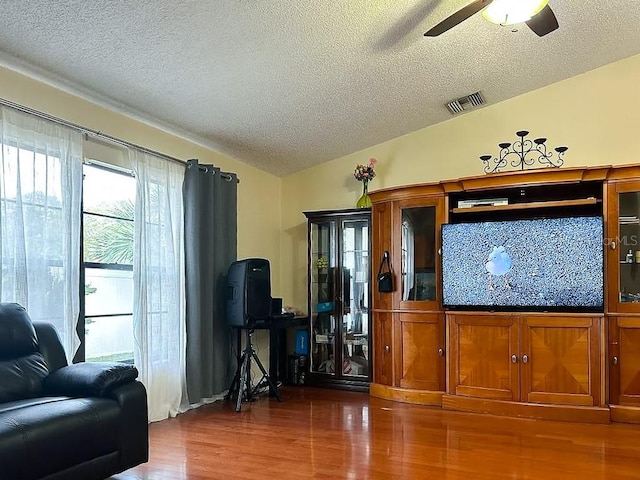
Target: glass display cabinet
x=339 y=296
x=418 y=254
x=623 y=241
x=628 y=253
x=623 y=261
x=418 y=325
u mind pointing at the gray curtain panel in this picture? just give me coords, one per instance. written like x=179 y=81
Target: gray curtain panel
x=210 y=209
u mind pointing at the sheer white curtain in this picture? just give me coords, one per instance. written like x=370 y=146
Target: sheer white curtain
x=40 y=193
x=158 y=279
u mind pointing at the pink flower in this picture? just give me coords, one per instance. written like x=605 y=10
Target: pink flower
x=365 y=172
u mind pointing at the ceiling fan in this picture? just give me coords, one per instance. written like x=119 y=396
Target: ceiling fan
x=535 y=13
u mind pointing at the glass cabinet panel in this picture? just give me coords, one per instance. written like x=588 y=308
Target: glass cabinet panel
x=322 y=238
x=355 y=297
x=419 y=253
x=629 y=251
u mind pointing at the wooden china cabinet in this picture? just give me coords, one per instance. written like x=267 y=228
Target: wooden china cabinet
x=623 y=261
x=563 y=365
x=409 y=339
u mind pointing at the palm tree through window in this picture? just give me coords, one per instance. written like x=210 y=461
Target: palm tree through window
x=108 y=208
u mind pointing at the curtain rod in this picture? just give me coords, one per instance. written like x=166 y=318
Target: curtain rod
x=96 y=133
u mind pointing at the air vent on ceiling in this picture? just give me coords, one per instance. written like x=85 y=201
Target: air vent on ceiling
x=463 y=104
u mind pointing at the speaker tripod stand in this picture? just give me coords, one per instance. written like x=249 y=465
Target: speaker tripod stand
x=241 y=384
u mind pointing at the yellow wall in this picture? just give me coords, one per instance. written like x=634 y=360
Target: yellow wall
x=596 y=114
x=258 y=192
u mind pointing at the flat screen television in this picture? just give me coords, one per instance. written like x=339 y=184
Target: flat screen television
x=547 y=264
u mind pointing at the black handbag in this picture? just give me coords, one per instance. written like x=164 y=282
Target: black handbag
x=385 y=279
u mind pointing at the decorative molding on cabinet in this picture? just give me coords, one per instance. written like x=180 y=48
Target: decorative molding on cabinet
x=406 y=395
x=564 y=413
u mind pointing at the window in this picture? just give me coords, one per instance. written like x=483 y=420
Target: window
x=31 y=237
x=108 y=207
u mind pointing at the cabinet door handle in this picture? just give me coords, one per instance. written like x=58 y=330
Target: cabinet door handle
x=525 y=358
x=514 y=358
x=614 y=360
x=387 y=348
x=612 y=245
x=441 y=352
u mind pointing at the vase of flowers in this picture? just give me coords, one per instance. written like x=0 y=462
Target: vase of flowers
x=364 y=174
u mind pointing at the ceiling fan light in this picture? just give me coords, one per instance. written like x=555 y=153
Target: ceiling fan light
x=509 y=12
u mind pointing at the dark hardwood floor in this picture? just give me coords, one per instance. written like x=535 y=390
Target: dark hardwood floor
x=328 y=434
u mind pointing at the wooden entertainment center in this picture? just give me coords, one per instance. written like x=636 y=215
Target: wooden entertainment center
x=581 y=367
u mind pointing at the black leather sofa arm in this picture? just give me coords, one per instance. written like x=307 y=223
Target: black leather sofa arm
x=89 y=379
x=134 y=438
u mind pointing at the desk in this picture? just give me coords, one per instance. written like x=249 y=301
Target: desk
x=277 y=326
x=278 y=355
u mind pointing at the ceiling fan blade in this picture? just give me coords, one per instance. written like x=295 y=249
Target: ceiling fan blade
x=458 y=17
x=544 y=22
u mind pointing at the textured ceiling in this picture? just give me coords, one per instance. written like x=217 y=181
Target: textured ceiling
x=284 y=85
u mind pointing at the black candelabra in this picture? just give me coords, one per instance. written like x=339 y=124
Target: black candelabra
x=523 y=153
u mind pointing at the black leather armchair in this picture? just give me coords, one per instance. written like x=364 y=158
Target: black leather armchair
x=83 y=421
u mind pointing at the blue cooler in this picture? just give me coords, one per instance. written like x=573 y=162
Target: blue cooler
x=302 y=342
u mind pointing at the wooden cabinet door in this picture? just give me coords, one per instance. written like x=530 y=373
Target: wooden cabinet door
x=381 y=230
x=623 y=232
x=382 y=348
x=560 y=360
x=416 y=243
x=624 y=361
x=420 y=354
x=483 y=351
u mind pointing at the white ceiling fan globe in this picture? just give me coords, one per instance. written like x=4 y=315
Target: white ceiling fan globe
x=510 y=12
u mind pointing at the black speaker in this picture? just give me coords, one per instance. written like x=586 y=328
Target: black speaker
x=248 y=292
x=276 y=306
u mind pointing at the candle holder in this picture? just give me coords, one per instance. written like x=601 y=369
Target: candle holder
x=522 y=154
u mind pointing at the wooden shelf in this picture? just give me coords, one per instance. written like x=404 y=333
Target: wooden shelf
x=528 y=205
